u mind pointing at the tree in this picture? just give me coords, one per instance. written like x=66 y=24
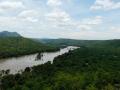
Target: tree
x=91 y=87
x=109 y=87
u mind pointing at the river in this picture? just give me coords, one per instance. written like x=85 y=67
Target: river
x=16 y=64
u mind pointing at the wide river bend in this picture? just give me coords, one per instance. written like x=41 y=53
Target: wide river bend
x=17 y=64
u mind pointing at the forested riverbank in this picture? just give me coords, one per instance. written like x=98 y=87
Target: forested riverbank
x=18 y=46
x=18 y=64
x=88 y=68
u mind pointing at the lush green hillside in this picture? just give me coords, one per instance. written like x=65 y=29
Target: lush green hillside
x=16 y=46
x=87 y=43
x=66 y=42
x=88 y=68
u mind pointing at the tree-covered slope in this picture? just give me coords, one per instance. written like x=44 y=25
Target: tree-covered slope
x=87 y=43
x=16 y=46
x=88 y=68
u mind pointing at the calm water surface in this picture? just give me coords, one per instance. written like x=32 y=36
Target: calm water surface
x=17 y=64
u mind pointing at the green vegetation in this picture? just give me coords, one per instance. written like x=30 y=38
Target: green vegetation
x=16 y=46
x=88 y=68
x=87 y=43
x=68 y=42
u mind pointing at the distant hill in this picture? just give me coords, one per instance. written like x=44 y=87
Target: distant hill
x=68 y=42
x=93 y=43
x=9 y=34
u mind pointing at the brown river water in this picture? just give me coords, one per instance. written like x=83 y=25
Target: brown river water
x=16 y=64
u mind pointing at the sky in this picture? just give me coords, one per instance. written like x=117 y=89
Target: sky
x=74 y=19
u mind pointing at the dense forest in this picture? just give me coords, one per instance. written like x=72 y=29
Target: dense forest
x=87 y=43
x=16 y=46
x=87 y=68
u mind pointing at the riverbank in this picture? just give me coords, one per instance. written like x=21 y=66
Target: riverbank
x=19 y=46
x=17 y=64
x=27 y=53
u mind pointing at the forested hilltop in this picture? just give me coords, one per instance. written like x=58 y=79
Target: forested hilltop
x=87 y=68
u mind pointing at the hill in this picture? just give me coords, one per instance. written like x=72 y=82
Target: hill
x=9 y=34
x=16 y=46
x=87 y=43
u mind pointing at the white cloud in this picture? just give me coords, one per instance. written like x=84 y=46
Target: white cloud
x=105 y=5
x=90 y=23
x=59 y=18
x=29 y=15
x=9 y=22
x=110 y=33
x=54 y=3
x=93 y=21
x=25 y=20
x=6 y=6
x=115 y=30
x=58 y=15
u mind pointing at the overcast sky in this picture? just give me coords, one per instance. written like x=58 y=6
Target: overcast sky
x=75 y=19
